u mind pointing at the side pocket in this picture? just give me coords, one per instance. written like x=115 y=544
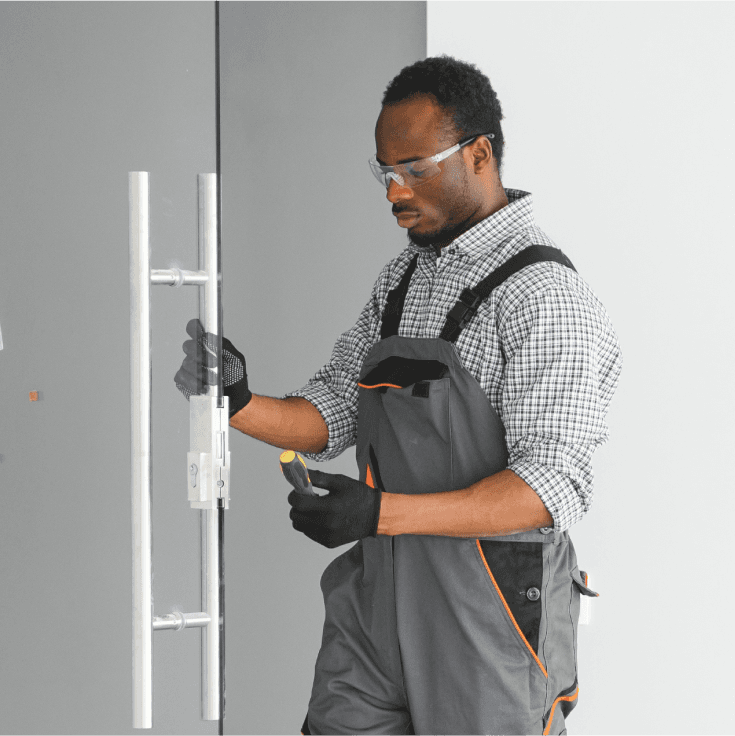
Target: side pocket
x=516 y=572
x=578 y=588
x=580 y=580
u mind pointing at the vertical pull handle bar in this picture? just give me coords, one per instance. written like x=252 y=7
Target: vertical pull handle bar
x=209 y=424
x=140 y=388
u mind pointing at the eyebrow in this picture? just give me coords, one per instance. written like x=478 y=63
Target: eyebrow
x=402 y=161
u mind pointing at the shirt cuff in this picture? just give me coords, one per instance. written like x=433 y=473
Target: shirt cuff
x=556 y=491
x=340 y=421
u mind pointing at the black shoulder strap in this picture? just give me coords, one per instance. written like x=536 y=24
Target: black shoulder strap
x=470 y=299
x=394 y=303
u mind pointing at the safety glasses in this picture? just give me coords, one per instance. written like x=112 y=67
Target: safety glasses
x=414 y=173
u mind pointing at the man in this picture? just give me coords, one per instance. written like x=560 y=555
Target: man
x=475 y=385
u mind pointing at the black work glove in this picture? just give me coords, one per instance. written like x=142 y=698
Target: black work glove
x=350 y=511
x=196 y=371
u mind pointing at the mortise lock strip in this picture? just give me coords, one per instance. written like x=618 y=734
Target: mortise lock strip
x=208 y=460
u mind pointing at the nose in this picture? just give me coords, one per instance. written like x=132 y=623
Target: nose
x=397 y=193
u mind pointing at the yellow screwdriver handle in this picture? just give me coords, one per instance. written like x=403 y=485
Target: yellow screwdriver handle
x=294 y=468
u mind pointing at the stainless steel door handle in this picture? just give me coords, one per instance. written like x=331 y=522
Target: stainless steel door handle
x=208 y=462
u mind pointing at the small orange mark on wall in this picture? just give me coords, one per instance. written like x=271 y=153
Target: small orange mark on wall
x=33 y=396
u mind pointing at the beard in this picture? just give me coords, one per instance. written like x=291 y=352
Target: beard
x=443 y=236
x=458 y=213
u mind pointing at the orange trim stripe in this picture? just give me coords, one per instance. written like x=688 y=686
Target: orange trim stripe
x=390 y=385
x=369 y=478
x=512 y=618
x=587 y=583
x=551 y=717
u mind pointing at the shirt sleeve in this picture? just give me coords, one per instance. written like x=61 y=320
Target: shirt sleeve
x=333 y=389
x=562 y=366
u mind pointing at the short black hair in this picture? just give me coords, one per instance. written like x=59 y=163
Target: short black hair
x=461 y=89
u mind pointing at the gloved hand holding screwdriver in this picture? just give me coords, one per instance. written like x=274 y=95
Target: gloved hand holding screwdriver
x=349 y=511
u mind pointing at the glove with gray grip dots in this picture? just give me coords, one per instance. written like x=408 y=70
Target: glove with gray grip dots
x=349 y=512
x=199 y=368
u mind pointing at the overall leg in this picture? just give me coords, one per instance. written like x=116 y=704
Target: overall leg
x=486 y=635
x=358 y=686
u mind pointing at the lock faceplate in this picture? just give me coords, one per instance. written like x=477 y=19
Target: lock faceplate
x=209 y=484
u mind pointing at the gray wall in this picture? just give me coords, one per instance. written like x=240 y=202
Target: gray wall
x=619 y=119
x=91 y=91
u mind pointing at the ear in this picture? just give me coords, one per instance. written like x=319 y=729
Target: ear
x=482 y=154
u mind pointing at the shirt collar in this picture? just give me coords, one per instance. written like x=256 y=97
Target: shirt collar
x=489 y=234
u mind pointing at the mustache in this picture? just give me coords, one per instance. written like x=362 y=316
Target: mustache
x=400 y=210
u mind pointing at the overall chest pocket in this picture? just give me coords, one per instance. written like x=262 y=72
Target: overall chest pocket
x=408 y=401
x=398 y=372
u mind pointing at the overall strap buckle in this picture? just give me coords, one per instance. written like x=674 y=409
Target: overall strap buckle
x=464 y=310
x=469 y=300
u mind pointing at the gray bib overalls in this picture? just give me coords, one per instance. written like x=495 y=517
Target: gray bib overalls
x=443 y=635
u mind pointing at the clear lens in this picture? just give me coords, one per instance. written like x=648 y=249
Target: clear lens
x=421 y=171
x=406 y=175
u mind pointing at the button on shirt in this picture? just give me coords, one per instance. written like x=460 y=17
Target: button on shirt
x=541 y=347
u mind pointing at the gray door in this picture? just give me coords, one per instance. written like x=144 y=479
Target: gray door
x=91 y=91
x=305 y=232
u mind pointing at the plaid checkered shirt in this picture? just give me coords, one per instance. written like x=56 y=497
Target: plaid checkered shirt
x=541 y=347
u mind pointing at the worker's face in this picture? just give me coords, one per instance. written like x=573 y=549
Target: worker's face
x=436 y=211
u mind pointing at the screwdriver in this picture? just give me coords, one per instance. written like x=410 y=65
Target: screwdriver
x=294 y=468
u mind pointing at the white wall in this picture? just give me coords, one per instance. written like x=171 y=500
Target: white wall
x=619 y=119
